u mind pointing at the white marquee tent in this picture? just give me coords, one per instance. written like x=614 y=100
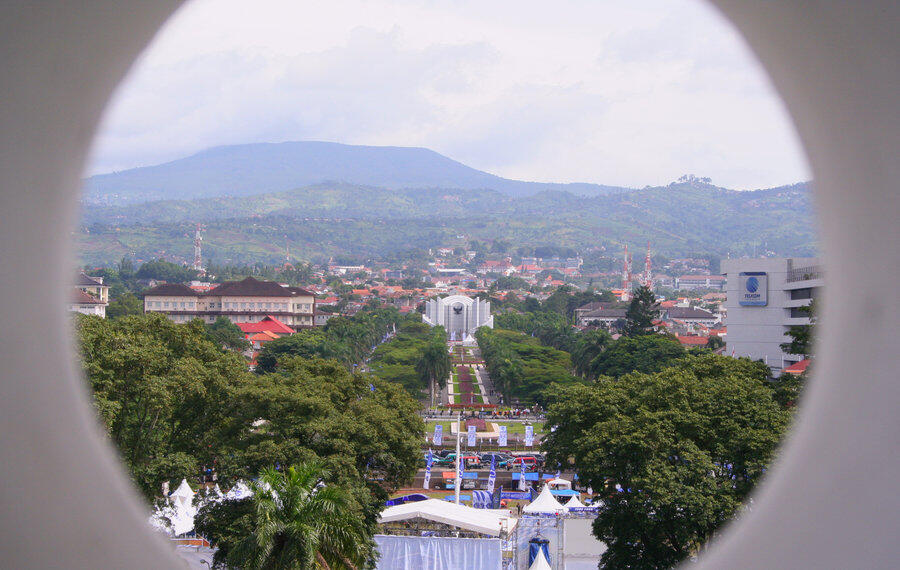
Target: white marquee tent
x=485 y=521
x=544 y=504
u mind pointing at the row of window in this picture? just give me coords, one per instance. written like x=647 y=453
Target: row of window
x=258 y=306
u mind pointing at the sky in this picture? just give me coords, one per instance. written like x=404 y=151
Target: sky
x=628 y=93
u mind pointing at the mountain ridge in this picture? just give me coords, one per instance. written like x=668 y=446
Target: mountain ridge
x=260 y=168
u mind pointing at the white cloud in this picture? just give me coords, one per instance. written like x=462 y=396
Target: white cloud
x=611 y=92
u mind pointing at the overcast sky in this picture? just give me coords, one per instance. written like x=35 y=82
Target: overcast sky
x=614 y=92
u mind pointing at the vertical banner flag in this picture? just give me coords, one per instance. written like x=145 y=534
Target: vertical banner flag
x=522 y=484
x=438 y=434
x=471 y=441
x=529 y=436
x=493 y=476
x=501 y=441
x=429 y=459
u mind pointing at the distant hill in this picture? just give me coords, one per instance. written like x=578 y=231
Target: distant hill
x=249 y=169
x=322 y=220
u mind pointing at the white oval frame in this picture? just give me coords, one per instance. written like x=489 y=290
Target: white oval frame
x=832 y=500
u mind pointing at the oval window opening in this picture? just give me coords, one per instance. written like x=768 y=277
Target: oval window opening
x=428 y=273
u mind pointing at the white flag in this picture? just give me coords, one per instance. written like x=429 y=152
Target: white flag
x=438 y=434
x=522 y=484
x=471 y=441
x=529 y=436
x=501 y=441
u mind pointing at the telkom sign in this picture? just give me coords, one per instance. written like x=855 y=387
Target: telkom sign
x=753 y=289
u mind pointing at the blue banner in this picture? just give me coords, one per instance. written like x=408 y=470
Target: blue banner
x=515 y=495
x=428 y=462
x=493 y=476
x=472 y=436
x=438 y=434
x=522 y=484
x=501 y=441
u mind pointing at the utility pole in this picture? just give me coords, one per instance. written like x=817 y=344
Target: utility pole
x=458 y=458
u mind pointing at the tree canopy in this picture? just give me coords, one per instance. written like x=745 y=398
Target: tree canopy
x=674 y=453
x=641 y=313
x=644 y=353
x=158 y=389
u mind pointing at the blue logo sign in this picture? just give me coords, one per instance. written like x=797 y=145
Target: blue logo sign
x=752 y=284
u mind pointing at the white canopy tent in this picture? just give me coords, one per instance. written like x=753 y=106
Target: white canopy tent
x=540 y=562
x=574 y=503
x=544 y=504
x=239 y=491
x=484 y=521
x=559 y=484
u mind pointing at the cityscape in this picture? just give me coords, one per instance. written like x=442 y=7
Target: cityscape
x=447 y=288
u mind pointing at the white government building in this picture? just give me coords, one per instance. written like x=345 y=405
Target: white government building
x=460 y=315
x=764 y=300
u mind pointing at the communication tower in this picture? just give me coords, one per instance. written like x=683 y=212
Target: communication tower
x=198 y=258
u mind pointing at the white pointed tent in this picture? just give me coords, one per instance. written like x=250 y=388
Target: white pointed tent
x=469 y=340
x=239 y=491
x=574 y=503
x=183 y=494
x=540 y=562
x=544 y=504
x=183 y=509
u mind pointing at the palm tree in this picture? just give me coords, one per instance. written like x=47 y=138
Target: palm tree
x=302 y=523
x=434 y=366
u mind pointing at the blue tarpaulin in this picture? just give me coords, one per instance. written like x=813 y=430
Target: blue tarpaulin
x=528 y=476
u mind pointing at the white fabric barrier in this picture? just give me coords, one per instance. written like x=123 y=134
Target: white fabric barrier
x=437 y=553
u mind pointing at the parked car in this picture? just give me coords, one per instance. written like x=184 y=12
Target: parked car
x=530 y=462
x=502 y=460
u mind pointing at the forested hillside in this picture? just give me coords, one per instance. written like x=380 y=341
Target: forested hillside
x=324 y=220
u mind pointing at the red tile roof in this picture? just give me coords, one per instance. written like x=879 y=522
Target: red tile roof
x=798 y=367
x=268 y=324
x=690 y=340
x=79 y=297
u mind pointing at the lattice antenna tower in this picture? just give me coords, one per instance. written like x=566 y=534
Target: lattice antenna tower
x=198 y=255
x=626 y=270
x=648 y=276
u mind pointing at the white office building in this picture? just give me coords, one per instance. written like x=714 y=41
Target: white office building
x=764 y=296
x=458 y=314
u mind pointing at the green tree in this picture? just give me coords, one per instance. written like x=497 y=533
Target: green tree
x=588 y=347
x=165 y=271
x=299 y=522
x=226 y=334
x=366 y=432
x=158 y=389
x=434 y=366
x=802 y=335
x=674 y=453
x=641 y=313
x=124 y=305
x=225 y=524
x=646 y=353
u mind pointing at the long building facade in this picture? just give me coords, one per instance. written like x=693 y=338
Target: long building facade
x=246 y=301
x=764 y=297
